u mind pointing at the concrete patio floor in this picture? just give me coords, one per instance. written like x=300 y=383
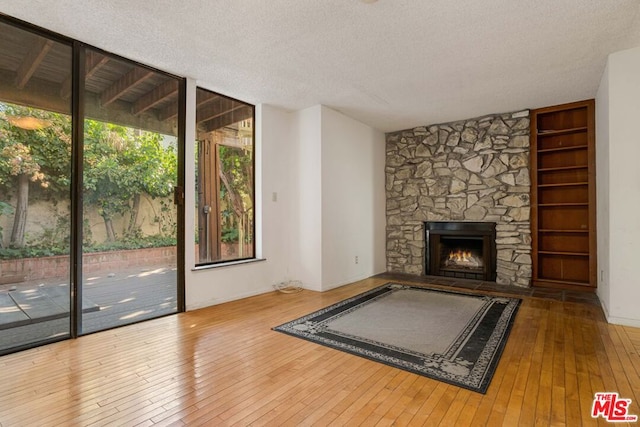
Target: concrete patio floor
x=40 y=310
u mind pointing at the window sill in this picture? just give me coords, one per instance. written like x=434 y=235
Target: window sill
x=227 y=264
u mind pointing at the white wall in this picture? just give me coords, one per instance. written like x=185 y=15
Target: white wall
x=602 y=188
x=353 y=200
x=337 y=199
x=618 y=177
x=305 y=203
x=326 y=172
x=216 y=285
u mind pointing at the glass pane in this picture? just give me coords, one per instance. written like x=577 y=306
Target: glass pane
x=35 y=179
x=225 y=179
x=130 y=170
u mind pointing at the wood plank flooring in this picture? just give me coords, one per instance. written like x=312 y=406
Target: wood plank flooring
x=223 y=365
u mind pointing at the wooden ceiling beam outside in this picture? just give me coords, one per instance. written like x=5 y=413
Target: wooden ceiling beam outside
x=39 y=94
x=94 y=61
x=220 y=107
x=44 y=95
x=32 y=61
x=117 y=89
x=240 y=112
x=169 y=112
x=154 y=97
x=202 y=98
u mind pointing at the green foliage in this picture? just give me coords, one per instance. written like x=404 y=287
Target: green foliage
x=5 y=209
x=230 y=235
x=42 y=154
x=137 y=243
x=30 y=252
x=119 y=164
x=125 y=244
x=57 y=239
x=166 y=219
x=236 y=191
x=237 y=166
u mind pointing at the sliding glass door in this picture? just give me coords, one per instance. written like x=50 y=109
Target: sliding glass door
x=130 y=171
x=90 y=189
x=35 y=188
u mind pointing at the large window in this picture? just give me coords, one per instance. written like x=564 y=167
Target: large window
x=225 y=179
x=129 y=172
x=91 y=178
x=35 y=188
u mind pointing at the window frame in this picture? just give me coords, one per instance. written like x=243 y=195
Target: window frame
x=77 y=114
x=231 y=261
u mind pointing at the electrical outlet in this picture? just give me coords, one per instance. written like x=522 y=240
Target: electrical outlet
x=602 y=275
x=357 y=259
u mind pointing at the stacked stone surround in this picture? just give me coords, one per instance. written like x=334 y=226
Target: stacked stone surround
x=472 y=170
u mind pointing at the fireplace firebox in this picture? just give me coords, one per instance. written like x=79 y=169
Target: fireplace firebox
x=465 y=250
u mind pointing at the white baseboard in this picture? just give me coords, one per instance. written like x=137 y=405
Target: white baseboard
x=347 y=282
x=231 y=298
x=192 y=307
x=623 y=321
x=619 y=320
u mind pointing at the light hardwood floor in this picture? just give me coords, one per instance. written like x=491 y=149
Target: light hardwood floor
x=224 y=366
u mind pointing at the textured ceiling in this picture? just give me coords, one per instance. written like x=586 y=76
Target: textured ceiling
x=393 y=64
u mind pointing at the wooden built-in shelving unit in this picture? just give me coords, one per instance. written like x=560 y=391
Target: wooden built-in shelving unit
x=563 y=216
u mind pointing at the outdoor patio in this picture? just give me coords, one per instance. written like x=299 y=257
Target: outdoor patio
x=36 y=311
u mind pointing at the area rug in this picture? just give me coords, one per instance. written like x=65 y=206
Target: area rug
x=445 y=335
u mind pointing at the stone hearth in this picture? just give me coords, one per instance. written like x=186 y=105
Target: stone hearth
x=472 y=170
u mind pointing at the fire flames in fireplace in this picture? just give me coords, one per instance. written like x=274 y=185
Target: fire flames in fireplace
x=463 y=259
x=461 y=249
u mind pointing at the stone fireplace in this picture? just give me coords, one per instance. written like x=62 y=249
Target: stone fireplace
x=474 y=170
x=459 y=249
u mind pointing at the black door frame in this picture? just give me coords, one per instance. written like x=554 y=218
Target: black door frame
x=76 y=187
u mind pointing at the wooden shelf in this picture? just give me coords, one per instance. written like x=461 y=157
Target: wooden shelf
x=567 y=148
x=548 y=230
x=564 y=282
x=563 y=184
x=560 y=205
x=563 y=195
x=553 y=132
x=564 y=253
x=562 y=168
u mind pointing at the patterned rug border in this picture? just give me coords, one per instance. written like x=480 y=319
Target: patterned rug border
x=401 y=358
